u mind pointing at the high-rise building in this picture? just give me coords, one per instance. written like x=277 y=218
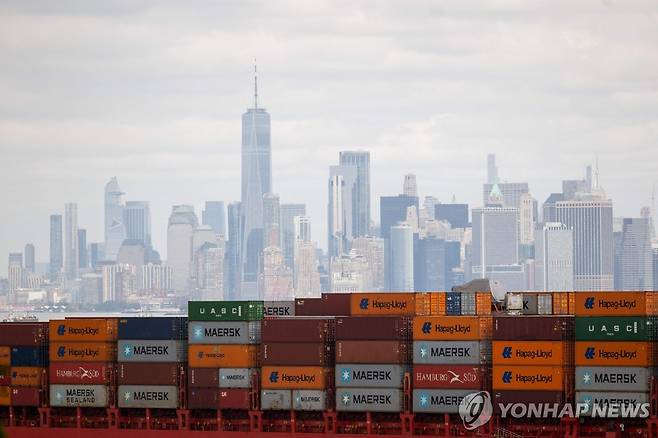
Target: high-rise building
x=409 y=187
x=372 y=248
x=495 y=237
x=349 y=273
x=645 y=213
x=30 y=262
x=429 y=205
x=71 y=258
x=343 y=185
x=137 y=220
x=511 y=193
x=256 y=181
x=590 y=218
x=156 y=277
x=302 y=228
x=654 y=253
x=307 y=277
x=15 y=273
x=119 y=282
x=288 y=213
x=95 y=254
x=636 y=257
x=492 y=170
x=429 y=264
x=133 y=253
x=232 y=256
x=115 y=230
x=455 y=214
x=361 y=196
x=83 y=256
x=271 y=220
x=571 y=188
x=209 y=270
x=402 y=258
x=553 y=257
x=182 y=223
x=549 y=213
x=393 y=209
x=213 y=215
x=526 y=219
x=277 y=278
x=203 y=234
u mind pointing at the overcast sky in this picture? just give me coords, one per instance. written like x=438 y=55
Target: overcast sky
x=152 y=92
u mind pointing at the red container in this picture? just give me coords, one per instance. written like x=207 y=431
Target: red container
x=336 y=304
x=373 y=352
x=297 y=330
x=5 y=375
x=447 y=377
x=308 y=307
x=24 y=396
x=296 y=353
x=134 y=373
x=212 y=398
x=203 y=378
x=525 y=397
x=373 y=328
x=88 y=373
x=203 y=398
x=533 y=328
x=23 y=333
x=234 y=399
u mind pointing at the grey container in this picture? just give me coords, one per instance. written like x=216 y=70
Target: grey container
x=369 y=376
x=278 y=308
x=440 y=401
x=447 y=352
x=84 y=396
x=235 y=377
x=276 y=399
x=368 y=400
x=529 y=304
x=468 y=303
x=627 y=379
x=147 y=396
x=224 y=332
x=544 y=304
x=151 y=351
x=620 y=399
x=309 y=400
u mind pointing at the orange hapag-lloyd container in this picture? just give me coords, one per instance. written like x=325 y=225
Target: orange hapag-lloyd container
x=528 y=378
x=5 y=356
x=83 y=352
x=285 y=377
x=222 y=356
x=439 y=328
x=611 y=303
x=528 y=352
x=369 y=304
x=613 y=354
x=83 y=329
x=26 y=376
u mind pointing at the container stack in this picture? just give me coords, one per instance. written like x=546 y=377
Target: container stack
x=614 y=337
x=297 y=357
x=23 y=362
x=449 y=361
x=151 y=354
x=82 y=351
x=223 y=340
x=532 y=358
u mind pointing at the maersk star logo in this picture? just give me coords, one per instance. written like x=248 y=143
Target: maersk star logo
x=128 y=350
x=59 y=396
x=423 y=351
x=587 y=378
x=198 y=332
x=423 y=399
x=126 y=396
x=346 y=375
x=346 y=398
x=587 y=401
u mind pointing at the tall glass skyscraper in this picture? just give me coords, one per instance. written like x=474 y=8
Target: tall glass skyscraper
x=115 y=231
x=361 y=198
x=213 y=215
x=137 y=219
x=56 y=245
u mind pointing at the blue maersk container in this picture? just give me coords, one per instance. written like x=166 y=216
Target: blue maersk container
x=29 y=356
x=153 y=328
x=453 y=303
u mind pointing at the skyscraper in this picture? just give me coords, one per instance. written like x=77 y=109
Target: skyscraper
x=429 y=264
x=511 y=193
x=83 y=257
x=256 y=181
x=343 y=186
x=232 y=256
x=213 y=215
x=71 y=259
x=455 y=214
x=361 y=196
x=492 y=170
x=15 y=272
x=182 y=223
x=402 y=258
x=30 y=262
x=393 y=209
x=137 y=220
x=56 y=245
x=115 y=230
x=636 y=257
x=553 y=257
x=271 y=220
x=409 y=187
x=287 y=224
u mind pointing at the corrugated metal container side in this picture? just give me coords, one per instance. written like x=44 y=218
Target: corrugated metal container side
x=296 y=353
x=359 y=328
x=564 y=303
x=5 y=375
x=203 y=377
x=212 y=398
x=27 y=376
x=224 y=332
x=298 y=330
x=600 y=401
x=447 y=377
x=504 y=398
x=5 y=396
x=613 y=328
x=79 y=374
x=278 y=308
x=23 y=333
x=367 y=304
x=203 y=398
x=143 y=350
x=468 y=303
x=544 y=304
x=309 y=400
x=439 y=401
x=291 y=377
x=236 y=398
x=83 y=352
x=309 y=307
x=368 y=400
x=336 y=304
x=611 y=304
x=447 y=352
x=147 y=396
x=451 y=328
x=225 y=310
x=236 y=377
x=527 y=378
x=28 y=356
x=453 y=303
x=629 y=379
x=131 y=373
x=603 y=353
x=222 y=356
x=84 y=396
x=275 y=400
x=83 y=329
x=532 y=328
x=372 y=352
x=370 y=376
x=529 y=352
x=25 y=396
x=153 y=328
x=484 y=303
x=5 y=356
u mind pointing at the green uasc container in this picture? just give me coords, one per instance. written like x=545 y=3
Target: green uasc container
x=614 y=328
x=224 y=310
